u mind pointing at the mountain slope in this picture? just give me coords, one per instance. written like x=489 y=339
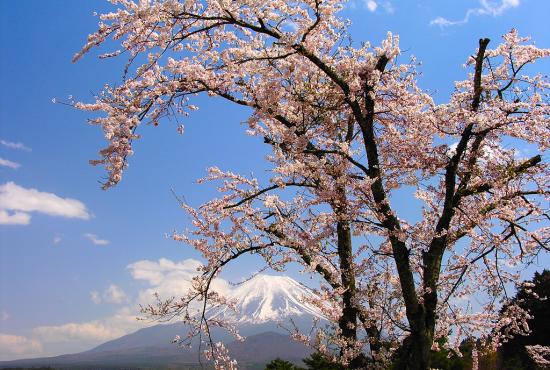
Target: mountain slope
x=154 y=336
x=255 y=351
x=268 y=298
x=263 y=303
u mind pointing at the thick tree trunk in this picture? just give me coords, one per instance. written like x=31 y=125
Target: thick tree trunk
x=421 y=345
x=414 y=353
x=348 y=320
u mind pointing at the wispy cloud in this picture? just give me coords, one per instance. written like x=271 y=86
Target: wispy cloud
x=486 y=8
x=8 y=163
x=169 y=278
x=157 y=272
x=12 y=145
x=4 y=315
x=388 y=7
x=95 y=239
x=14 y=218
x=371 y=5
x=96 y=330
x=17 y=202
x=113 y=294
x=95 y=297
x=14 y=347
x=57 y=239
x=166 y=277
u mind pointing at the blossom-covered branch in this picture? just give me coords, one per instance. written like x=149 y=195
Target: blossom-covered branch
x=347 y=128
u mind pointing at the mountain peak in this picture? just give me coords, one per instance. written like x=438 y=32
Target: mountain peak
x=266 y=298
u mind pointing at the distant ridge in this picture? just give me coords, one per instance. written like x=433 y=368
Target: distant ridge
x=253 y=353
x=263 y=303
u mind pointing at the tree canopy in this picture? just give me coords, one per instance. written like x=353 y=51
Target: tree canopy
x=530 y=348
x=348 y=127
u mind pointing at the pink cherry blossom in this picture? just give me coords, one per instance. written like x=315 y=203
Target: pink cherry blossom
x=348 y=128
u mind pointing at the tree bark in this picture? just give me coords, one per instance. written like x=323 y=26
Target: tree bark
x=414 y=353
x=348 y=320
x=422 y=320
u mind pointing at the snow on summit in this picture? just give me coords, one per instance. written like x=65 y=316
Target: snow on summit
x=269 y=298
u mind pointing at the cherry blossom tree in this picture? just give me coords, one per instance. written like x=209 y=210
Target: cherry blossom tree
x=539 y=354
x=348 y=127
x=533 y=349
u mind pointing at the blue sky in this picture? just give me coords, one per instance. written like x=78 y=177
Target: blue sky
x=80 y=259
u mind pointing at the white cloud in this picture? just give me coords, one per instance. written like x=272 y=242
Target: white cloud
x=114 y=294
x=8 y=163
x=388 y=7
x=75 y=331
x=490 y=8
x=444 y=22
x=156 y=272
x=57 y=239
x=95 y=239
x=12 y=145
x=169 y=279
x=487 y=8
x=17 y=202
x=95 y=297
x=166 y=277
x=95 y=331
x=13 y=347
x=15 y=218
x=371 y=5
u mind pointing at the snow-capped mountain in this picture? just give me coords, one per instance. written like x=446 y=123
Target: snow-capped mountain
x=268 y=298
x=263 y=302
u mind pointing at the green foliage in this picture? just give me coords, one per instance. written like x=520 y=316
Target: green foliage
x=318 y=362
x=448 y=360
x=445 y=359
x=512 y=354
x=279 y=364
x=29 y=368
